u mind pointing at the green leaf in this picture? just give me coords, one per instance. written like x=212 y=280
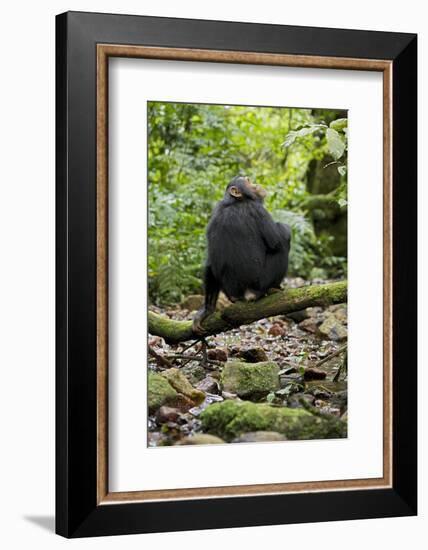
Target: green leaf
x=339 y=124
x=270 y=397
x=335 y=144
x=342 y=202
x=290 y=138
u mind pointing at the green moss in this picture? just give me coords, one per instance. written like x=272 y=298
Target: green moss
x=159 y=392
x=180 y=383
x=244 y=313
x=173 y=331
x=246 y=379
x=229 y=419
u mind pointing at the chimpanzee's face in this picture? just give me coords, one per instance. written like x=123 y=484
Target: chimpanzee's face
x=256 y=189
x=241 y=188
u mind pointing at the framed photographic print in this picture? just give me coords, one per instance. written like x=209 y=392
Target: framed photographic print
x=236 y=274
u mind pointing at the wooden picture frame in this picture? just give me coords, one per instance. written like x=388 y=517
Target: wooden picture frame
x=84 y=43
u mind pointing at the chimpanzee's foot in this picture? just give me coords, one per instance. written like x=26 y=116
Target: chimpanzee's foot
x=251 y=295
x=197 y=328
x=198 y=319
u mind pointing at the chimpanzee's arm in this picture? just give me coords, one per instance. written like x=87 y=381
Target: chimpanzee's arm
x=212 y=289
x=270 y=231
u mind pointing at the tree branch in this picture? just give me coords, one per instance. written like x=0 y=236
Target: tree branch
x=244 y=313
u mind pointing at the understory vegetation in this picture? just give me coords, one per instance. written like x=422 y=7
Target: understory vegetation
x=297 y=155
x=270 y=370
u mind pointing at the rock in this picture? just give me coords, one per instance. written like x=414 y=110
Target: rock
x=229 y=395
x=201 y=439
x=313 y=311
x=298 y=316
x=294 y=400
x=209 y=399
x=183 y=403
x=230 y=419
x=319 y=393
x=340 y=311
x=310 y=324
x=208 y=385
x=333 y=329
x=155 y=439
x=259 y=437
x=194 y=373
x=340 y=400
x=233 y=351
x=193 y=302
x=180 y=383
x=317 y=273
x=159 y=392
x=328 y=409
x=303 y=314
x=156 y=341
x=312 y=373
x=167 y=414
x=218 y=354
x=297 y=282
x=253 y=355
x=250 y=379
x=288 y=370
x=276 y=330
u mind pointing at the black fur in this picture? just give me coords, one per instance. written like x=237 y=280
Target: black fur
x=247 y=250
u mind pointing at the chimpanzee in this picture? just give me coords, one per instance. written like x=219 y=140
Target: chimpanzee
x=247 y=250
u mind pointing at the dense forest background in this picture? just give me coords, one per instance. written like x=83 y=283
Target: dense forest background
x=298 y=155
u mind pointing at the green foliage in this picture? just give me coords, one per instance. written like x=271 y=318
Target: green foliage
x=309 y=255
x=193 y=152
x=336 y=137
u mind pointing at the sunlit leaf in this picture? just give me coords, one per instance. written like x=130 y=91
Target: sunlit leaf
x=335 y=143
x=339 y=124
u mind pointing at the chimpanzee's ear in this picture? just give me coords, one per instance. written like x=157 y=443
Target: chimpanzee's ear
x=235 y=192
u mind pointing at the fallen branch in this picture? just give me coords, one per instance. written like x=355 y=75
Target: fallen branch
x=199 y=358
x=244 y=313
x=331 y=356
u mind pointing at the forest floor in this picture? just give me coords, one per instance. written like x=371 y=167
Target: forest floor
x=289 y=368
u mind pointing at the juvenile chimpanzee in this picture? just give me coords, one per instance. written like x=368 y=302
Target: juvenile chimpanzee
x=247 y=250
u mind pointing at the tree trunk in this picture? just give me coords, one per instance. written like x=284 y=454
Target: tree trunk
x=244 y=313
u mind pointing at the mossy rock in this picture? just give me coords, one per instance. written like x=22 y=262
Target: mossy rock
x=250 y=379
x=201 y=439
x=194 y=373
x=229 y=419
x=259 y=437
x=333 y=329
x=180 y=383
x=160 y=392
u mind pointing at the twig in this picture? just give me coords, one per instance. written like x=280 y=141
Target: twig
x=199 y=358
x=331 y=356
x=343 y=365
x=190 y=345
x=204 y=352
x=186 y=348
